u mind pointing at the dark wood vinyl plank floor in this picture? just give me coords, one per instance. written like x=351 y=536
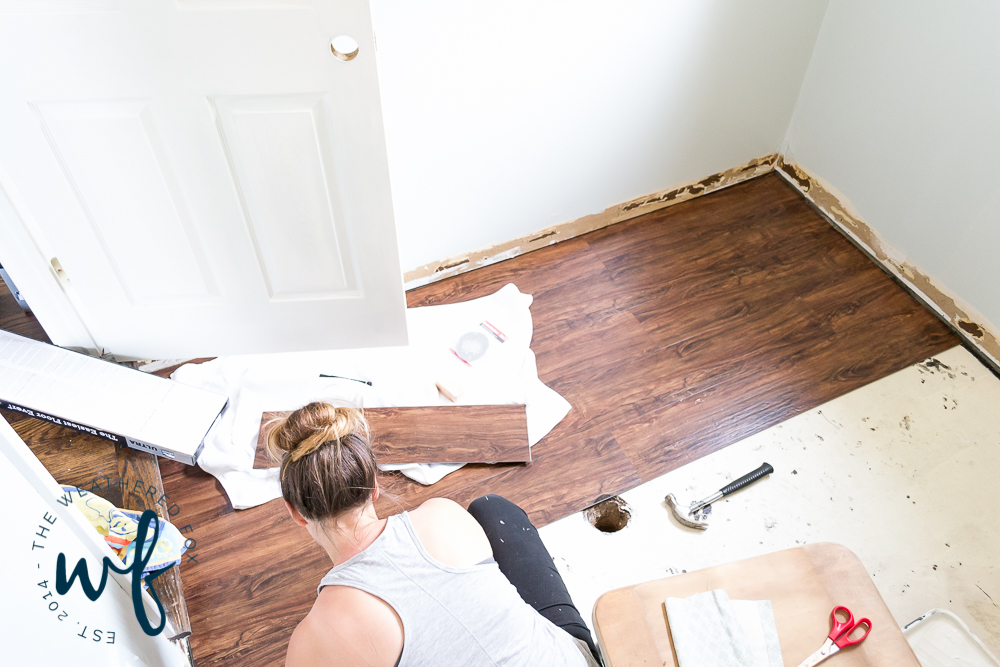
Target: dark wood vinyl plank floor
x=672 y=335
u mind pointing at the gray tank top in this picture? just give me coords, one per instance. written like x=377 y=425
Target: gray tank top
x=462 y=616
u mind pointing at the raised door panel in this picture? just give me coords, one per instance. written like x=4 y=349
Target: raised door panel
x=113 y=160
x=279 y=152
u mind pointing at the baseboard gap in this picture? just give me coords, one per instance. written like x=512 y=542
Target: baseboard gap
x=833 y=207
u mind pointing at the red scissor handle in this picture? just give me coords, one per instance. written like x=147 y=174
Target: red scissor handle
x=847 y=640
x=842 y=630
x=840 y=627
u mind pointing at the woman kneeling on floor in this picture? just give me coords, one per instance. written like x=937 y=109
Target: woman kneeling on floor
x=435 y=586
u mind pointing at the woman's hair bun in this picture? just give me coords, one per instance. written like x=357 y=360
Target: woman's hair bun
x=327 y=464
x=309 y=428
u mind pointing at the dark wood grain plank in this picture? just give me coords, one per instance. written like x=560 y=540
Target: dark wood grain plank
x=579 y=466
x=757 y=343
x=74 y=458
x=553 y=486
x=774 y=382
x=434 y=434
x=546 y=268
x=693 y=275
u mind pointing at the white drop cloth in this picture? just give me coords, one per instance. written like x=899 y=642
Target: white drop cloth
x=400 y=376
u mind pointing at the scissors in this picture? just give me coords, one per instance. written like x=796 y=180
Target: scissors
x=840 y=636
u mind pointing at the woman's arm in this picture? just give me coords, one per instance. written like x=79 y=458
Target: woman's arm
x=346 y=627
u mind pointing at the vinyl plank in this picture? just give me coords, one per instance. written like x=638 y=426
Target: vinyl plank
x=573 y=467
x=718 y=355
x=753 y=214
x=608 y=359
x=776 y=383
x=434 y=434
x=597 y=364
x=582 y=332
x=584 y=469
x=532 y=273
x=72 y=457
x=743 y=268
x=751 y=345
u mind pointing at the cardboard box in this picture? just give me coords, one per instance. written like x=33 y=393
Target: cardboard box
x=143 y=411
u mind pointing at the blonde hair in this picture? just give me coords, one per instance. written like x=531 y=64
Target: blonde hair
x=327 y=464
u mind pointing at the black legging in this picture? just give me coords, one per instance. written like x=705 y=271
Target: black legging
x=526 y=562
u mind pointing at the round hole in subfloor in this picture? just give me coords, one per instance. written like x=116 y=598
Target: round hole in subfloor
x=609 y=516
x=344 y=47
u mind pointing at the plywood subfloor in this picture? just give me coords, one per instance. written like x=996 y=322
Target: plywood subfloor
x=672 y=335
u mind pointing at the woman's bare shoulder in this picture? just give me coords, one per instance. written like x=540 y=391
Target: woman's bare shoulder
x=440 y=508
x=449 y=533
x=346 y=627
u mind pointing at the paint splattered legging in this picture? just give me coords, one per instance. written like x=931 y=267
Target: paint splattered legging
x=526 y=563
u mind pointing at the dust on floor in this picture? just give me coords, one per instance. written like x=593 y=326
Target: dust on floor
x=902 y=471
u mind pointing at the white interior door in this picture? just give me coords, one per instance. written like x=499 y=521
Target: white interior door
x=208 y=176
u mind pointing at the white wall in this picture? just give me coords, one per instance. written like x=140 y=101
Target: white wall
x=504 y=118
x=900 y=111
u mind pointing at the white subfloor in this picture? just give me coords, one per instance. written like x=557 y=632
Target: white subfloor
x=903 y=472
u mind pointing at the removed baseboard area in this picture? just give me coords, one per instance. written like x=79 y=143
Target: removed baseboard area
x=566 y=230
x=965 y=320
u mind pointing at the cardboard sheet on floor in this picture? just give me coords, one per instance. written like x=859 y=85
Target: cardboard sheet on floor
x=435 y=434
x=803 y=584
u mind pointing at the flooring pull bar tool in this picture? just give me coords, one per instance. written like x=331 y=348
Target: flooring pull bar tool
x=696 y=515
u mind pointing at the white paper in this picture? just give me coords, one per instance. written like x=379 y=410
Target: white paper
x=710 y=630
